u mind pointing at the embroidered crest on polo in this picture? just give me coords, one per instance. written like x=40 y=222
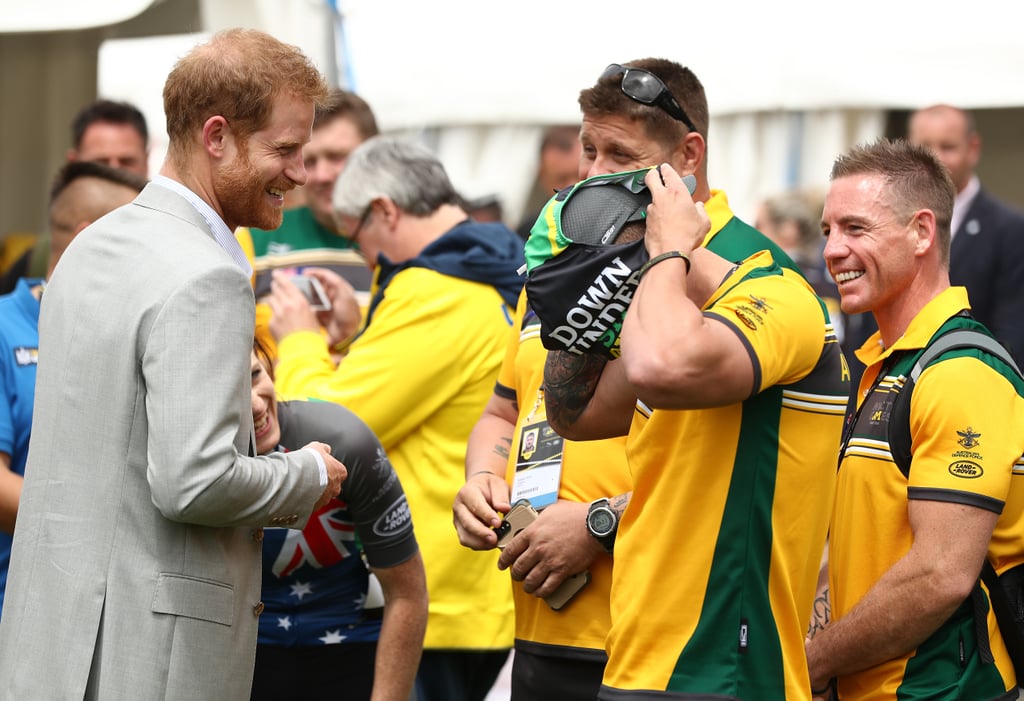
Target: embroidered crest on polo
x=968 y=438
x=580 y=274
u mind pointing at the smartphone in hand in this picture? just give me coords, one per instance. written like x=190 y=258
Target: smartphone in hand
x=313 y=291
x=519 y=517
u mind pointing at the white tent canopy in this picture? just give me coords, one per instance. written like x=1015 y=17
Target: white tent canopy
x=466 y=61
x=789 y=84
x=471 y=62
x=65 y=15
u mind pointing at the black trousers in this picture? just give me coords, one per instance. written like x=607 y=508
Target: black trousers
x=343 y=671
x=458 y=675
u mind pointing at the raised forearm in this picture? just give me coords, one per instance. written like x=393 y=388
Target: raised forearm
x=583 y=401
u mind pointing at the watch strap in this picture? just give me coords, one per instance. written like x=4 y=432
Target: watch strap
x=607 y=540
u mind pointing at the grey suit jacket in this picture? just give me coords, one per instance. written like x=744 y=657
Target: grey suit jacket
x=135 y=572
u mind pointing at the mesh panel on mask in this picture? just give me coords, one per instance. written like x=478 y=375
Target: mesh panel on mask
x=594 y=212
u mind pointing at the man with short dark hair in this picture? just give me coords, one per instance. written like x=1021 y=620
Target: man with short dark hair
x=909 y=618
x=636 y=115
x=111 y=132
x=104 y=131
x=731 y=391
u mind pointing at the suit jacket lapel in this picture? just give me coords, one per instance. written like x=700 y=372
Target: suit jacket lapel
x=968 y=229
x=167 y=201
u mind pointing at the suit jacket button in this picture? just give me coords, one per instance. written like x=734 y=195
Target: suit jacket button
x=258 y=609
x=257 y=535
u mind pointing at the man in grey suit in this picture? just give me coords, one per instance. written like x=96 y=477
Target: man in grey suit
x=135 y=572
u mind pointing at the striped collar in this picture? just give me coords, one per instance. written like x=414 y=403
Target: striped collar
x=224 y=237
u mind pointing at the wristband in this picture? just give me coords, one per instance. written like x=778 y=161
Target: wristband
x=663 y=257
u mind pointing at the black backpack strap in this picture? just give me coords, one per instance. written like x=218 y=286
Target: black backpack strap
x=979 y=610
x=899 y=418
x=1008 y=607
x=961 y=338
x=1005 y=595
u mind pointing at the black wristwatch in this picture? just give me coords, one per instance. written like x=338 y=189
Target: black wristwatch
x=602 y=523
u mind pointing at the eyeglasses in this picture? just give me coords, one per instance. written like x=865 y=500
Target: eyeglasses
x=363 y=218
x=647 y=89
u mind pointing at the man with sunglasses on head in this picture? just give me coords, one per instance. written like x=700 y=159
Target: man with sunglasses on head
x=652 y=111
x=642 y=113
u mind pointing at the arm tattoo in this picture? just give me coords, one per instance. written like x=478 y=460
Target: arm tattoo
x=620 y=502
x=820 y=615
x=503 y=448
x=569 y=384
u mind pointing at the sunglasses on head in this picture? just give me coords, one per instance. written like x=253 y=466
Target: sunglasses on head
x=646 y=88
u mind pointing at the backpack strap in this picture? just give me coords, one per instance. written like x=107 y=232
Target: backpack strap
x=961 y=338
x=1008 y=612
x=1005 y=596
x=899 y=418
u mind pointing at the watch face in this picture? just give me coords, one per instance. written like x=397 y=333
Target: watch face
x=602 y=521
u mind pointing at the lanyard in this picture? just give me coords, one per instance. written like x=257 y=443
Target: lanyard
x=852 y=423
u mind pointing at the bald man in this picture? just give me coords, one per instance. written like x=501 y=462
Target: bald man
x=82 y=192
x=986 y=254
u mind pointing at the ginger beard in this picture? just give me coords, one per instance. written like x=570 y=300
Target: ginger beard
x=244 y=195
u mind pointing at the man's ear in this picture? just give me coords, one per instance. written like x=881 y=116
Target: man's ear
x=688 y=155
x=924 y=226
x=388 y=210
x=217 y=136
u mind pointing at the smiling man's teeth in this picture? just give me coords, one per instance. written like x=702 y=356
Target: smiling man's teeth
x=846 y=277
x=261 y=424
x=275 y=191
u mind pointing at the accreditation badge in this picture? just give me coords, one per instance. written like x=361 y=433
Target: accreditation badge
x=538 y=462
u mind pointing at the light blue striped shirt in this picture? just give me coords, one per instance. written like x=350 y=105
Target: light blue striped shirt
x=221 y=233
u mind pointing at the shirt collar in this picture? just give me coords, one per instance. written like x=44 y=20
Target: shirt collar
x=224 y=237
x=962 y=203
x=719 y=212
x=23 y=296
x=922 y=327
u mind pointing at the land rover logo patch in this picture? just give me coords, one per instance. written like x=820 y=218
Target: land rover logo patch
x=966 y=469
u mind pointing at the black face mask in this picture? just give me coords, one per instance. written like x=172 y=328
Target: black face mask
x=581 y=296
